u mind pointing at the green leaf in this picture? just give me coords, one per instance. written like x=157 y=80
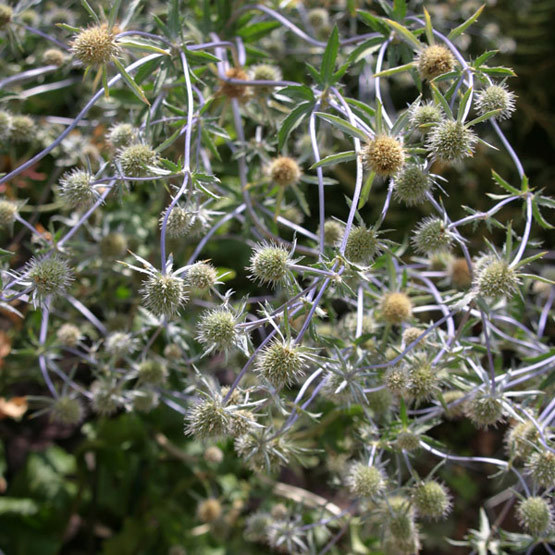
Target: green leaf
x=464 y=26
x=502 y=183
x=484 y=57
x=329 y=57
x=428 y=27
x=539 y=217
x=498 y=71
x=257 y=30
x=365 y=49
x=374 y=22
x=139 y=44
x=91 y=12
x=403 y=413
x=530 y=259
x=292 y=121
x=365 y=193
x=343 y=125
x=199 y=57
x=299 y=92
x=333 y=159
x=440 y=99
x=394 y=70
x=462 y=104
x=68 y=27
x=113 y=13
x=128 y=80
x=483 y=117
x=405 y=34
x=399 y=9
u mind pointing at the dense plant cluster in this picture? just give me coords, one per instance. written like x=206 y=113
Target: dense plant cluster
x=212 y=233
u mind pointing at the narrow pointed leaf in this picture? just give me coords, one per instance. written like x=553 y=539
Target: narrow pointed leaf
x=128 y=80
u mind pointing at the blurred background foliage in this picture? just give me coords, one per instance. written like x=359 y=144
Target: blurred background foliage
x=131 y=483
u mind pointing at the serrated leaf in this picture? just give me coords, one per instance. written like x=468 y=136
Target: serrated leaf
x=463 y=103
x=502 y=183
x=539 y=217
x=90 y=11
x=373 y=22
x=464 y=26
x=440 y=99
x=300 y=92
x=142 y=45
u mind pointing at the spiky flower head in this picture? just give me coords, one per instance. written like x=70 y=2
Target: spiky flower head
x=50 y=275
x=541 y=466
x=106 y=397
x=348 y=324
x=217 y=329
x=8 y=213
x=122 y=135
x=208 y=418
x=333 y=232
x=423 y=380
x=412 y=334
x=432 y=236
x=76 y=189
x=213 y=454
x=535 y=515
x=53 y=56
x=95 y=46
x=496 y=97
x=431 y=500
x=145 y=400
x=362 y=245
x=282 y=362
x=318 y=17
x=495 y=278
x=113 y=244
x=384 y=155
x=119 y=343
x=287 y=536
x=284 y=171
x=366 y=481
x=380 y=401
x=202 y=275
x=265 y=72
x=424 y=116
x=5 y=125
x=23 y=129
x=485 y=410
x=172 y=351
x=67 y=410
x=135 y=159
x=152 y=372
x=6 y=14
x=209 y=510
x=262 y=449
x=459 y=273
x=69 y=335
x=240 y=422
x=269 y=262
x=256 y=529
x=234 y=90
x=396 y=379
x=451 y=140
x=401 y=531
x=164 y=294
x=435 y=60
x=407 y=441
x=520 y=439
x=411 y=185
x=396 y=308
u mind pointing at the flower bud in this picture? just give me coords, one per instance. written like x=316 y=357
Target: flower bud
x=365 y=481
x=216 y=330
x=396 y=308
x=201 y=275
x=384 y=155
x=496 y=97
x=23 y=129
x=164 y=294
x=535 y=515
x=435 y=60
x=67 y=410
x=113 y=245
x=68 y=335
x=284 y=171
x=53 y=56
x=122 y=135
x=411 y=185
x=233 y=90
x=281 y=363
x=268 y=263
x=135 y=158
x=152 y=372
x=76 y=189
x=432 y=236
x=431 y=500
x=495 y=278
x=450 y=141
x=8 y=213
x=541 y=466
x=485 y=410
x=95 y=46
x=362 y=245
x=209 y=510
x=49 y=276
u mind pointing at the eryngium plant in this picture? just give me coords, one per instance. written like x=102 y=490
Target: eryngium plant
x=261 y=154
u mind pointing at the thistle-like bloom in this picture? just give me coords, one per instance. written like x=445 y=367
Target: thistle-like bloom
x=202 y=275
x=67 y=410
x=541 y=466
x=485 y=410
x=284 y=171
x=431 y=500
x=535 y=515
x=164 y=294
x=407 y=441
x=269 y=263
x=209 y=510
x=119 y=343
x=423 y=380
x=384 y=155
x=152 y=372
x=207 y=419
x=6 y=14
x=412 y=184
x=396 y=308
x=282 y=362
x=217 y=330
x=496 y=97
x=366 y=481
x=401 y=531
x=333 y=232
x=520 y=440
x=362 y=245
x=432 y=236
x=424 y=116
x=50 y=275
x=53 y=56
x=95 y=46
x=495 y=278
x=69 y=335
x=76 y=189
x=23 y=129
x=8 y=213
x=435 y=60
x=122 y=135
x=135 y=159
x=113 y=245
x=233 y=90
x=451 y=140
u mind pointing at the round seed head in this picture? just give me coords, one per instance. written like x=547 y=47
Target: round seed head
x=496 y=279
x=423 y=116
x=119 y=344
x=216 y=330
x=268 y=263
x=284 y=171
x=408 y=441
x=68 y=335
x=76 y=189
x=257 y=524
x=164 y=294
x=431 y=500
x=95 y=46
x=535 y=515
x=541 y=466
x=384 y=155
x=396 y=379
x=207 y=419
x=67 y=410
x=496 y=97
x=53 y=56
x=145 y=400
x=432 y=236
x=178 y=222
x=459 y=273
x=240 y=422
x=105 y=398
x=399 y=517
x=49 y=276
x=435 y=60
x=396 y=308
x=232 y=90
x=113 y=245
x=8 y=212
x=152 y=372
x=412 y=334
x=172 y=352
x=6 y=14
x=362 y=245
x=451 y=140
x=135 y=158
x=318 y=17
x=411 y=185
x=262 y=452
x=5 y=125
x=281 y=363
x=423 y=382
x=202 y=275
x=213 y=454
x=122 y=135
x=23 y=129
x=209 y=510
x=485 y=410
x=333 y=232
x=265 y=72
x=520 y=439
x=348 y=324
